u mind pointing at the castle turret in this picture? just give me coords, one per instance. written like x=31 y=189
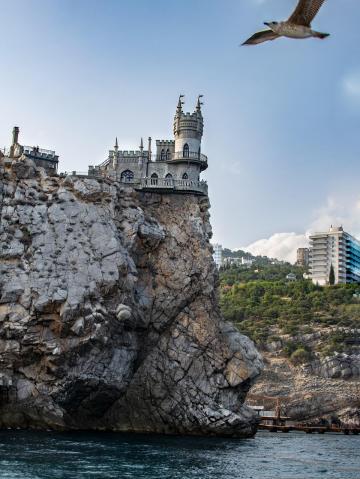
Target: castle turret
x=188 y=132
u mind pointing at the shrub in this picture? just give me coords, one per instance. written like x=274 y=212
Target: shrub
x=300 y=356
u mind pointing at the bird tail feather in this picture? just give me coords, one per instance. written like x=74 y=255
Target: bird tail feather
x=321 y=35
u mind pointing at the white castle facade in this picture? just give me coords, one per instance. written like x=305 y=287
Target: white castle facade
x=176 y=164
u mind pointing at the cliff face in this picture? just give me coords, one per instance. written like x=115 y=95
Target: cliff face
x=109 y=314
x=322 y=391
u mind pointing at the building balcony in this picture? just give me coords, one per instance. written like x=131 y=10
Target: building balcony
x=171 y=185
x=183 y=156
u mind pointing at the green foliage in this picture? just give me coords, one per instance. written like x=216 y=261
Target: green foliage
x=300 y=356
x=261 y=306
x=260 y=270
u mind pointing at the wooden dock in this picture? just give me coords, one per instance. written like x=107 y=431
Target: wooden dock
x=309 y=429
x=274 y=421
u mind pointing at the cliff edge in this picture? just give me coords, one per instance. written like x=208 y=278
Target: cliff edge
x=109 y=315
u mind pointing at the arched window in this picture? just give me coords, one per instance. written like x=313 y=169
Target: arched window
x=167 y=154
x=185 y=176
x=169 y=180
x=186 y=151
x=162 y=155
x=127 y=176
x=154 y=179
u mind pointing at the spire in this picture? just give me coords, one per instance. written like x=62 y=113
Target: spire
x=149 y=149
x=180 y=104
x=142 y=145
x=116 y=147
x=199 y=104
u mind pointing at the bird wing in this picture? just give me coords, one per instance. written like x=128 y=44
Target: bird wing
x=261 y=37
x=305 y=12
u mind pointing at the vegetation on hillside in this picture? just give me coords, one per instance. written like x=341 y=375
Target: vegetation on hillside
x=263 y=304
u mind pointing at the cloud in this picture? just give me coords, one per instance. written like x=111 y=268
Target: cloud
x=342 y=210
x=280 y=245
x=351 y=87
x=338 y=211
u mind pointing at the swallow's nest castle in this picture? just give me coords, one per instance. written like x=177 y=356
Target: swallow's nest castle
x=174 y=168
x=176 y=165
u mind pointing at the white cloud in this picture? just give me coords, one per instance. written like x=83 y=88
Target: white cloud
x=351 y=86
x=338 y=211
x=280 y=245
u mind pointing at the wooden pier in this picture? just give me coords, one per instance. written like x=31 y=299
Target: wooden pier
x=309 y=429
x=274 y=421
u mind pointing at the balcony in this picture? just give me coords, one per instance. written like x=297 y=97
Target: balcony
x=175 y=186
x=183 y=156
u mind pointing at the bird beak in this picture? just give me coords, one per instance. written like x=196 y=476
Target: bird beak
x=266 y=23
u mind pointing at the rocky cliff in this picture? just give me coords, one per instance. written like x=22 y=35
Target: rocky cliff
x=320 y=391
x=109 y=314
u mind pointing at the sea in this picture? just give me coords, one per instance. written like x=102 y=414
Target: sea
x=46 y=455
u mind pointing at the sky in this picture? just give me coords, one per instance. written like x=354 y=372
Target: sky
x=282 y=119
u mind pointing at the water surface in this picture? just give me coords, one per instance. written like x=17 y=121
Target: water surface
x=29 y=455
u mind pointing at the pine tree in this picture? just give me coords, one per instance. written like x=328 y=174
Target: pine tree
x=332 y=276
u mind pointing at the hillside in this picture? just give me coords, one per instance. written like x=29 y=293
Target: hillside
x=308 y=335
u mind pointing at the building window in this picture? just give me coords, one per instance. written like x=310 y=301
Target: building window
x=199 y=152
x=162 y=155
x=186 y=151
x=185 y=176
x=154 y=179
x=167 y=154
x=127 y=176
x=169 y=179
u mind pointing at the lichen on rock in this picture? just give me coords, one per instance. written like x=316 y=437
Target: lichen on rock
x=109 y=315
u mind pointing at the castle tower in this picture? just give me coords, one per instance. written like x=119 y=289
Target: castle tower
x=188 y=131
x=15 y=142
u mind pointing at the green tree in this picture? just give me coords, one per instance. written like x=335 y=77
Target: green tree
x=332 y=276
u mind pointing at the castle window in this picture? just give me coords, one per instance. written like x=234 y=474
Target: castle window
x=185 y=176
x=162 y=156
x=199 y=152
x=154 y=179
x=186 y=151
x=169 y=179
x=167 y=154
x=127 y=176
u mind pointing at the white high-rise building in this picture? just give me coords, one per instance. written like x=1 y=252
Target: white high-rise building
x=337 y=249
x=218 y=255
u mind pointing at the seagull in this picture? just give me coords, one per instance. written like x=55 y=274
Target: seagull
x=297 y=26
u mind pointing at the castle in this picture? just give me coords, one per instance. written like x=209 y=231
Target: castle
x=174 y=168
x=176 y=165
x=47 y=159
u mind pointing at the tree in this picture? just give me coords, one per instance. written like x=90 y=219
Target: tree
x=332 y=276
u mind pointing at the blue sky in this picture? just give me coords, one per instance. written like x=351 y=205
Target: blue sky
x=282 y=119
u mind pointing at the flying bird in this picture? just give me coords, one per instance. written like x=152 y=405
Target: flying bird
x=297 y=26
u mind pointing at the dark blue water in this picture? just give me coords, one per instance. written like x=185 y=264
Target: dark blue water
x=28 y=455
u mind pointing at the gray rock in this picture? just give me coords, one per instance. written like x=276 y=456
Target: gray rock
x=109 y=316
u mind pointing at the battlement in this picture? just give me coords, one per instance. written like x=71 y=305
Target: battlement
x=128 y=153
